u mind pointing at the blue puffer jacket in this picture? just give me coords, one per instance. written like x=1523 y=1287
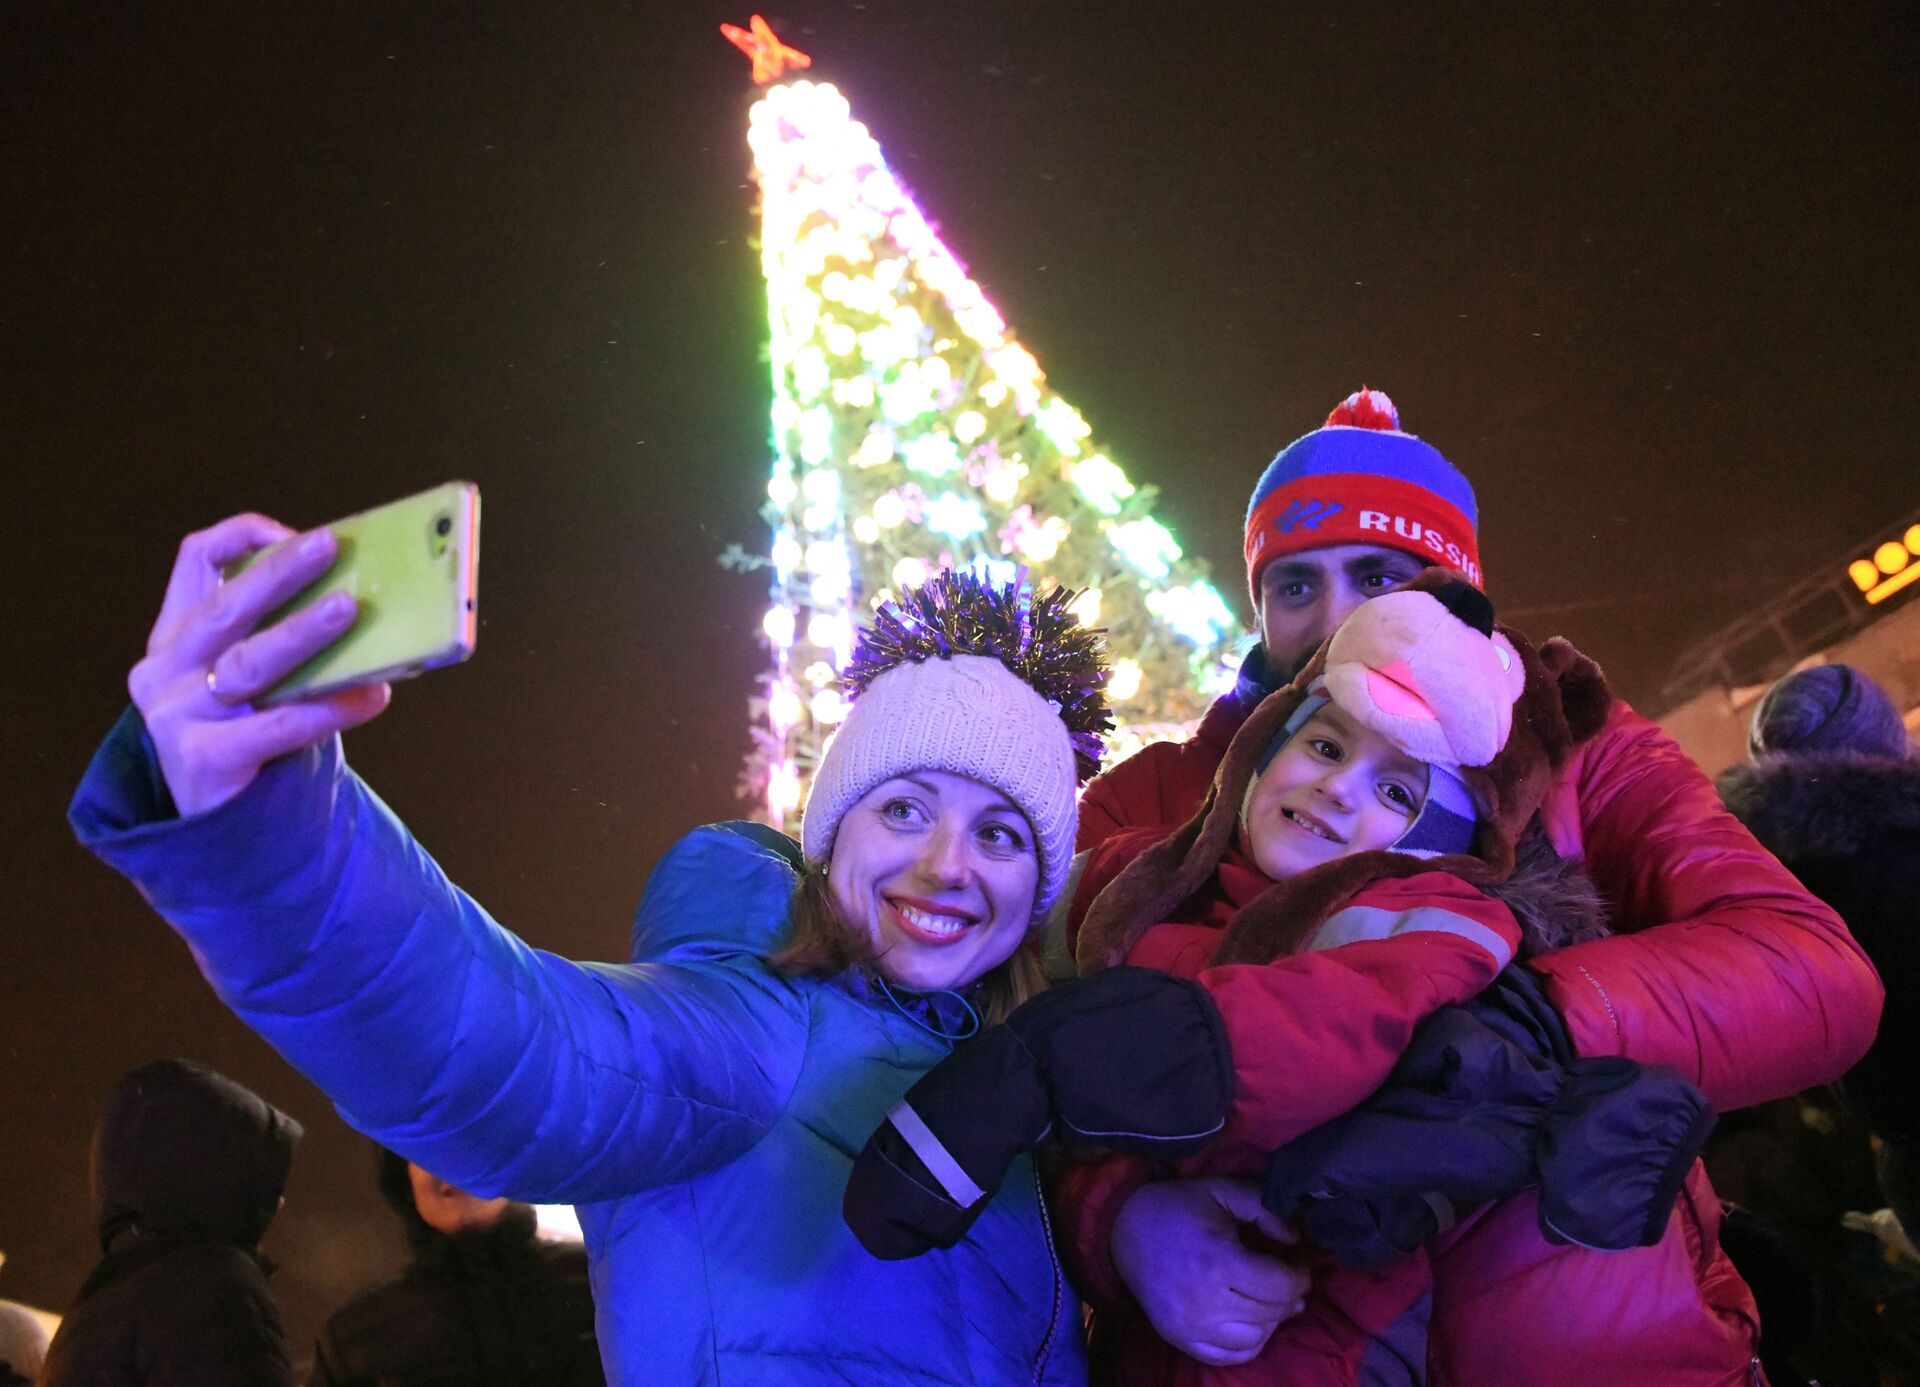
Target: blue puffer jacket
x=701 y=1110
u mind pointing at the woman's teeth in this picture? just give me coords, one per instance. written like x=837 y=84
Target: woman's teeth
x=931 y=924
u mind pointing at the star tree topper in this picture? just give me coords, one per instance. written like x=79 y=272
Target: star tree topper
x=771 y=58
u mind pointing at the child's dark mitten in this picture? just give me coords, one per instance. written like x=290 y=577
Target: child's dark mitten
x=1128 y=1059
x=1456 y=1125
x=1487 y=1101
x=1614 y=1152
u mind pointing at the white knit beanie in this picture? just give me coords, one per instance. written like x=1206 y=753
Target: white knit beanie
x=966 y=714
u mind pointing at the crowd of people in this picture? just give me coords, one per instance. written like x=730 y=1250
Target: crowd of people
x=1373 y=1035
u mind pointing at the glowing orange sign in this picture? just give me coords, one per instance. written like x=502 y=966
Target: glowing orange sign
x=771 y=58
x=1893 y=566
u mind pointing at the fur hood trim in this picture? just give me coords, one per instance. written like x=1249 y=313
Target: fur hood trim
x=1552 y=898
x=1823 y=804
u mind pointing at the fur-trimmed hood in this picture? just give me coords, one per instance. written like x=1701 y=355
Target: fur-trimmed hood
x=1801 y=804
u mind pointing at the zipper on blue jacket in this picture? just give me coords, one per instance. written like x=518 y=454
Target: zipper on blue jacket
x=1053 y=1257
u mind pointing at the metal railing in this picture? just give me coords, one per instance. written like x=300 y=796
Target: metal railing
x=1766 y=643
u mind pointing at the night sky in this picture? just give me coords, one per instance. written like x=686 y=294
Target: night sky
x=1637 y=269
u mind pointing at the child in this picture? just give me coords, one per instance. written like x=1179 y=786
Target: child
x=1324 y=905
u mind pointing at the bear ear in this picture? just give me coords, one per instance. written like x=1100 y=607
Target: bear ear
x=1585 y=696
x=1466 y=602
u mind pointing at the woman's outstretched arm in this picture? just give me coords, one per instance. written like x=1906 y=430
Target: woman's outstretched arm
x=331 y=932
x=317 y=917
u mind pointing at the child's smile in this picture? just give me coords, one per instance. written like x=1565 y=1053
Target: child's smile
x=1300 y=818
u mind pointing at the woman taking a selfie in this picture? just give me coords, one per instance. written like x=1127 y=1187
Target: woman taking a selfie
x=701 y=1104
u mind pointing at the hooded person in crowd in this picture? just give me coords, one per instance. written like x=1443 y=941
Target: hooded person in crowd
x=1832 y=789
x=484 y=1302
x=1721 y=966
x=188 y=1170
x=701 y=1104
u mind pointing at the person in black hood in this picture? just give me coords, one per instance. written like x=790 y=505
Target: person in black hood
x=1833 y=791
x=188 y=1170
x=484 y=1302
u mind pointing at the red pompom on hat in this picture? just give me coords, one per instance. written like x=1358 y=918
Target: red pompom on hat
x=1365 y=409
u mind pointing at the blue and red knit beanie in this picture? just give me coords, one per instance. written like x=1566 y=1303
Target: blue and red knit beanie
x=1359 y=479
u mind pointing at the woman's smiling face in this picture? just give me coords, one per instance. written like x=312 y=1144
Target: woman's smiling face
x=940 y=872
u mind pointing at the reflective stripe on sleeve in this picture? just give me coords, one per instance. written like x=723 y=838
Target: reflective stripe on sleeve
x=937 y=1159
x=1358 y=923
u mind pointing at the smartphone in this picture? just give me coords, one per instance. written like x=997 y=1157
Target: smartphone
x=414 y=567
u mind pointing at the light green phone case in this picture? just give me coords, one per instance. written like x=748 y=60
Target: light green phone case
x=414 y=566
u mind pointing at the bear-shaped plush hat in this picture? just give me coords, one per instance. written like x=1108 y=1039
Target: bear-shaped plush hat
x=1426 y=670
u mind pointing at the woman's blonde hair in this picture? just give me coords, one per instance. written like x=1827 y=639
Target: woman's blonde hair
x=822 y=944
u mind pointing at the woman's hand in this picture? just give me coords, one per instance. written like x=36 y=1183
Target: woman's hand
x=205 y=661
x=1177 y=1246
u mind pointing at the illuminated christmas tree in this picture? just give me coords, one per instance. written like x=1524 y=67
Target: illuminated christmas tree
x=911 y=432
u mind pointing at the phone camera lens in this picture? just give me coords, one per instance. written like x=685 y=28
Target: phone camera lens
x=443 y=526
